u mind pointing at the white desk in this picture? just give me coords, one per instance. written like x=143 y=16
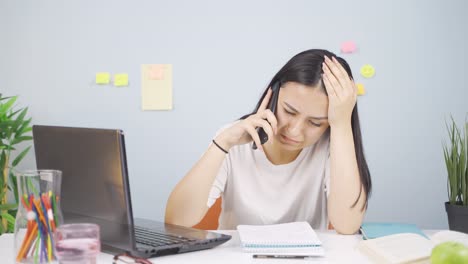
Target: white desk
x=338 y=249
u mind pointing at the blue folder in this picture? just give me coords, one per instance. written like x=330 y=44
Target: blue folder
x=375 y=230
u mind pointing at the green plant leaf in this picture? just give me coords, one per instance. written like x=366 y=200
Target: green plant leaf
x=20 y=139
x=11 y=227
x=19 y=119
x=24 y=127
x=2 y=160
x=6 y=107
x=11 y=115
x=456 y=161
x=4 y=98
x=14 y=185
x=5 y=125
x=20 y=157
x=8 y=217
x=8 y=206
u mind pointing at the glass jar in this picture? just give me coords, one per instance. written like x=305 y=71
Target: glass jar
x=39 y=214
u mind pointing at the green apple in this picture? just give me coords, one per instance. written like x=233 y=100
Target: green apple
x=449 y=253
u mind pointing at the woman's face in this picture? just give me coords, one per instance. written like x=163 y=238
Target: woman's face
x=302 y=113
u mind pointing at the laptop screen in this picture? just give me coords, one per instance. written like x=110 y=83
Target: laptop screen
x=94 y=177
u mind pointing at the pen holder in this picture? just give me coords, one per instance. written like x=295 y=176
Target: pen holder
x=38 y=215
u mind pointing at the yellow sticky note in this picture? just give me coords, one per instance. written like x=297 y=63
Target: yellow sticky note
x=102 y=78
x=360 y=89
x=156 y=86
x=120 y=79
x=367 y=71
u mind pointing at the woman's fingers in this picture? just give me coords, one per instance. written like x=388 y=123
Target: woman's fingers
x=254 y=135
x=332 y=80
x=340 y=68
x=345 y=81
x=329 y=87
x=338 y=74
x=265 y=101
x=265 y=125
x=271 y=118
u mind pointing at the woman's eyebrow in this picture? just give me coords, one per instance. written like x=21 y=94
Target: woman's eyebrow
x=295 y=110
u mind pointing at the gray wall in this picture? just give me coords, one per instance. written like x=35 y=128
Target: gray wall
x=224 y=53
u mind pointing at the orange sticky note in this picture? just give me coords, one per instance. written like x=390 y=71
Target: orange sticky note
x=156 y=72
x=360 y=89
x=348 y=47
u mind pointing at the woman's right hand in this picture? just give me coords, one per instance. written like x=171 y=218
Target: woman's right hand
x=244 y=131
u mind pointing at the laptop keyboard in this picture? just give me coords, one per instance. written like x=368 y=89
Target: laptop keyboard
x=153 y=238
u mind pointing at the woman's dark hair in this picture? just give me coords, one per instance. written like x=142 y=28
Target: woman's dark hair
x=306 y=68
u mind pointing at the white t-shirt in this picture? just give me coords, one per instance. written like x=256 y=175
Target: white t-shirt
x=257 y=192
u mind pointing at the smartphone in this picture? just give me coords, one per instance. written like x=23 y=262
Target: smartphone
x=272 y=106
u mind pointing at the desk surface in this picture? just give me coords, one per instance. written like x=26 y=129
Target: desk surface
x=338 y=249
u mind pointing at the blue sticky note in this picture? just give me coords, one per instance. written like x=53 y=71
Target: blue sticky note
x=375 y=230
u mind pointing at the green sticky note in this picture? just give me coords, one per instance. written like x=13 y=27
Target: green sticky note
x=102 y=78
x=120 y=79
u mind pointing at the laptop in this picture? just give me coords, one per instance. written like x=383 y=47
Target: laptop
x=95 y=189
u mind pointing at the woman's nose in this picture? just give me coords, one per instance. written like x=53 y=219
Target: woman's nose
x=295 y=127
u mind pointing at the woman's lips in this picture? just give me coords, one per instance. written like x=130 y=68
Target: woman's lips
x=289 y=140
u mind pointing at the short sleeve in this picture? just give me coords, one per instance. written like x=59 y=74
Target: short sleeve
x=219 y=184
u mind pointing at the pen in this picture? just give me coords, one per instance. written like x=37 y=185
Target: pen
x=281 y=256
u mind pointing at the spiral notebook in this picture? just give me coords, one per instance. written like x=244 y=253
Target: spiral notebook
x=297 y=238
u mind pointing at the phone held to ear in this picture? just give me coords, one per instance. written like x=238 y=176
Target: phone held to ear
x=272 y=106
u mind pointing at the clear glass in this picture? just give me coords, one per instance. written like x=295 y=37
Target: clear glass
x=77 y=243
x=39 y=214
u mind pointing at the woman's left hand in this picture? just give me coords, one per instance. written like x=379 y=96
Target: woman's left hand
x=342 y=92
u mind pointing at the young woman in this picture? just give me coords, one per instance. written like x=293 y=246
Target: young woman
x=312 y=168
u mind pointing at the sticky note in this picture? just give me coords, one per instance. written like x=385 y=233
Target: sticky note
x=156 y=86
x=121 y=79
x=348 y=47
x=367 y=71
x=360 y=89
x=156 y=72
x=102 y=78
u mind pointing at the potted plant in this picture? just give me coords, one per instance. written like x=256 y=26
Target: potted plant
x=14 y=129
x=456 y=161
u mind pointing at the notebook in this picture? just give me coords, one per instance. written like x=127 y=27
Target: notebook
x=375 y=230
x=398 y=248
x=95 y=189
x=407 y=247
x=296 y=238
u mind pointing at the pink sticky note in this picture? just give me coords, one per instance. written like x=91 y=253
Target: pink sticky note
x=348 y=47
x=156 y=72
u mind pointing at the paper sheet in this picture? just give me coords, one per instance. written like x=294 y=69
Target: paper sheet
x=156 y=86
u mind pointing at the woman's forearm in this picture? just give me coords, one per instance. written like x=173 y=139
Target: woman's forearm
x=187 y=204
x=345 y=183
